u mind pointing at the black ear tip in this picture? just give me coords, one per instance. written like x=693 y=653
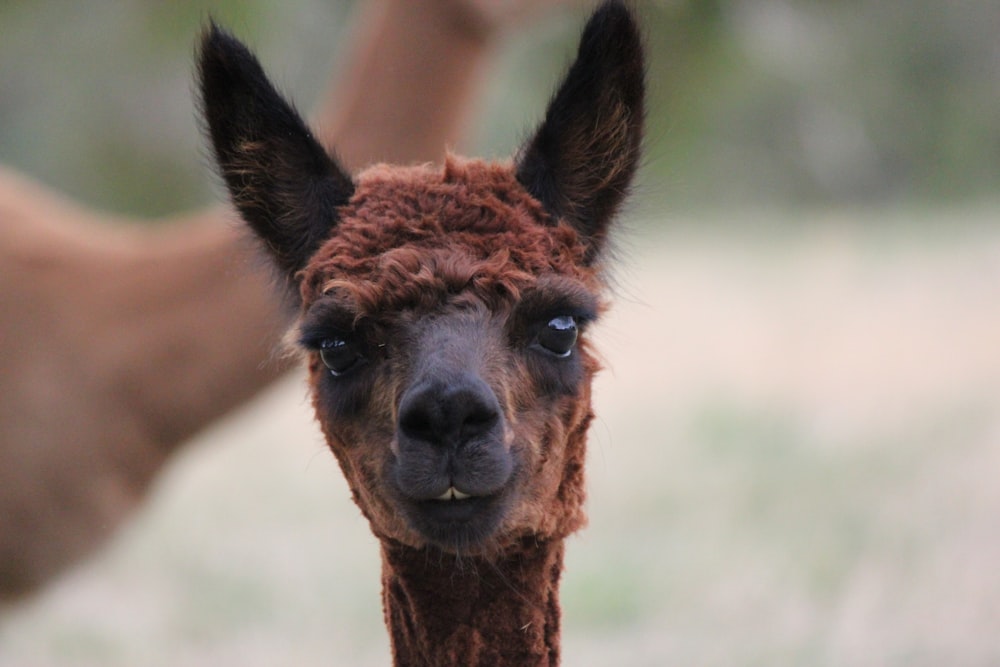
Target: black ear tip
x=215 y=34
x=219 y=47
x=212 y=46
x=613 y=24
x=617 y=9
x=612 y=42
x=615 y=15
x=225 y=64
x=212 y=37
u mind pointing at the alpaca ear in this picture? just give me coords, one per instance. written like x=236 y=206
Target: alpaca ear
x=581 y=160
x=284 y=184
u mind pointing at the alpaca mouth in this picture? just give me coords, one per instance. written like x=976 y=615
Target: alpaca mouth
x=456 y=520
x=453 y=494
x=454 y=511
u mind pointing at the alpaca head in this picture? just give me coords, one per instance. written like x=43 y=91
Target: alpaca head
x=444 y=310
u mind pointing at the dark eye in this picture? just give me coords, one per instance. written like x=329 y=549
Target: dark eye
x=559 y=335
x=339 y=354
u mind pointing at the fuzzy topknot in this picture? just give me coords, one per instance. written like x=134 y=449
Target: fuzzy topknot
x=411 y=237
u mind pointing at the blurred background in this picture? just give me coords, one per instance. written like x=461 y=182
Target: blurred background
x=797 y=454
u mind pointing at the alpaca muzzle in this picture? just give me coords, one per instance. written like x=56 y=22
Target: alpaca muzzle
x=452 y=467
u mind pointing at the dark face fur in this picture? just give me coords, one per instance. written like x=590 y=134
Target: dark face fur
x=444 y=310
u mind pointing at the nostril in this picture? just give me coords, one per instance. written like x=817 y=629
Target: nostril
x=480 y=419
x=448 y=413
x=416 y=421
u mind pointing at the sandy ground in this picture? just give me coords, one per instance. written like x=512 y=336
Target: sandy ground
x=796 y=463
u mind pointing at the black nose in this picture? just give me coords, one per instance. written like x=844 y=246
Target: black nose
x=449 y=413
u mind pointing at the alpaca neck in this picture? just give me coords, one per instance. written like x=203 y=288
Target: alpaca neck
x=447 y=611
x=192 y=321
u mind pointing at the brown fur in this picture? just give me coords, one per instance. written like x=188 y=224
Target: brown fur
x=446 y=611
x=487 y=245
x=469 y=224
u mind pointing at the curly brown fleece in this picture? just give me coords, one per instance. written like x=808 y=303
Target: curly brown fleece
x=462 y=237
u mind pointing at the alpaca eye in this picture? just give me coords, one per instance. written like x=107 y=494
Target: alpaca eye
x=339 y=355
x=559 y=335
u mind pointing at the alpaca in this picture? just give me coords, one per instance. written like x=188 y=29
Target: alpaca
x=127 y=326
x=443 y=319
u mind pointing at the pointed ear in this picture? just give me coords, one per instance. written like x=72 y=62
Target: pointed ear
x=582 y=159
x=284 y=184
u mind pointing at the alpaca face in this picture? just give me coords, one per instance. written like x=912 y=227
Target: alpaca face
x=445 y=310
x=446 y=321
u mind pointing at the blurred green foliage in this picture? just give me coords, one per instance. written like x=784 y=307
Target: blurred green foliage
x=752 y=102
x=96 y=98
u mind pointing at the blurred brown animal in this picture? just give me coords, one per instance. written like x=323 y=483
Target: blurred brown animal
x=120 y=341
x=443 y=313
